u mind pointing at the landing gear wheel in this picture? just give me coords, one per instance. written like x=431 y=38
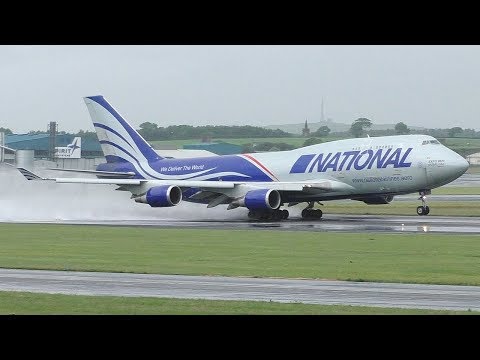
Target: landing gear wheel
x=424 y=209
x=268 y=215
x=312 y=213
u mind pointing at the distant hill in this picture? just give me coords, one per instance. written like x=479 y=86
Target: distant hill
x=334 y=127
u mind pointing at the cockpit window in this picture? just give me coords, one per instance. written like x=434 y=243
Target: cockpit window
x=425 y=142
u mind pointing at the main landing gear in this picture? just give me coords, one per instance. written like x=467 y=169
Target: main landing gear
x=268 y=214
x=310 y=213
x=424 y=209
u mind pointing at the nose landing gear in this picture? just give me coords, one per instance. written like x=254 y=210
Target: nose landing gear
x=423 y=209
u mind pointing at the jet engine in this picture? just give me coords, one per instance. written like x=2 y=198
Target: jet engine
x=161 y=196
x=376 y=199
x=261 y=199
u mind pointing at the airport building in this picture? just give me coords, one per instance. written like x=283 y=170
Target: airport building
x=474 y=159
x=38 y=150
x=65 y=151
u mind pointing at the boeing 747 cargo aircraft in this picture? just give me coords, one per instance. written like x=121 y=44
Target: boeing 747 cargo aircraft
x=372 y=170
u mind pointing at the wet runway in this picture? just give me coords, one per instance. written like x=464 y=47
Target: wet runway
x=330 y=222
x=466 y=180
x=441 y=297
x=24 y=201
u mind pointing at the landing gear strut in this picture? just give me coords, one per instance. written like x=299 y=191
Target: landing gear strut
x=424 y=209
x=268 y=214
x=310 y=213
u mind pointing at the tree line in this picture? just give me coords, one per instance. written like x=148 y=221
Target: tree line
x=151 y=132
x=359 y=128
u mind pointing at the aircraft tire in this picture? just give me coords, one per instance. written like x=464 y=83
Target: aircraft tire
x=422 y=211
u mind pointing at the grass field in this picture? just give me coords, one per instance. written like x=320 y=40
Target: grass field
x=296 y=141
x=22 y=303
x=453 y=143
x=437 y=208
x=440 y=208
x=457 y=190
x=462 y=142
x=422 y=258
x=413 y=258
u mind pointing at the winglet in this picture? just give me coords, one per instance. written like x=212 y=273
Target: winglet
x=29 y=175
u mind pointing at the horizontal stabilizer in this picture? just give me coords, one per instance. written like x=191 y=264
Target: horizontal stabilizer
x=29 y=175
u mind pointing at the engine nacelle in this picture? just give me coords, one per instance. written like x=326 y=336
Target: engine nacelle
x=161 y=196
x=376 y=199
x=261 y=199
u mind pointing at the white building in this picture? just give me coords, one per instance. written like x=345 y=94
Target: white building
x=474 y=159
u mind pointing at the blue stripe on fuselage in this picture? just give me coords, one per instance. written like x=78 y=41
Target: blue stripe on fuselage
x=215 y=165
x=356 y=159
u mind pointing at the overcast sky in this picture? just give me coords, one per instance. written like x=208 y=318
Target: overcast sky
x=430 y=86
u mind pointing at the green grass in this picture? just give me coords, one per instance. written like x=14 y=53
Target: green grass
x=412 y=258
x=23 y=303
x=459 y=144
x=437 y=208
x=462 y=142
x=296 y=141
x=457 y=190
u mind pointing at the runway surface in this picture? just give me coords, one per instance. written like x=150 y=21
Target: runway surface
x=330 y=222
x=23 y=201
x=440 y=297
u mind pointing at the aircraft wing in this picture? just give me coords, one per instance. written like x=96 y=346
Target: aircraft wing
x=310 y=186
x=215 y=192
x=181 y=183
x=98 y=173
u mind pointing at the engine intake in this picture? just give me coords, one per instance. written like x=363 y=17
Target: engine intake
x=261 y=199
x=161 y=196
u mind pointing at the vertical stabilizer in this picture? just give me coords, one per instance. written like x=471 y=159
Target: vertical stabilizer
x=119 y=140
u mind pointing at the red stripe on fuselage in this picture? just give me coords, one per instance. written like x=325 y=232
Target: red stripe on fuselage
x=259 y=164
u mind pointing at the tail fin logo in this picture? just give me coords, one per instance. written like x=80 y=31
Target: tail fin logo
x=71 y=151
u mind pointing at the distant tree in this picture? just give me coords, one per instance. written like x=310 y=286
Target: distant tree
x=149 y=130
x=454 y=131
x=322 y=131
x=87 y=134
x=312 y=141
x=358 y=126
x=6 y=131
x=401 y=129
x=267 y=146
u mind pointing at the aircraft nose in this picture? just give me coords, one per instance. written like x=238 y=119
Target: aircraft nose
x=459 y=164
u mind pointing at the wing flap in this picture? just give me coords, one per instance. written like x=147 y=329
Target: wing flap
x=99 y=173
